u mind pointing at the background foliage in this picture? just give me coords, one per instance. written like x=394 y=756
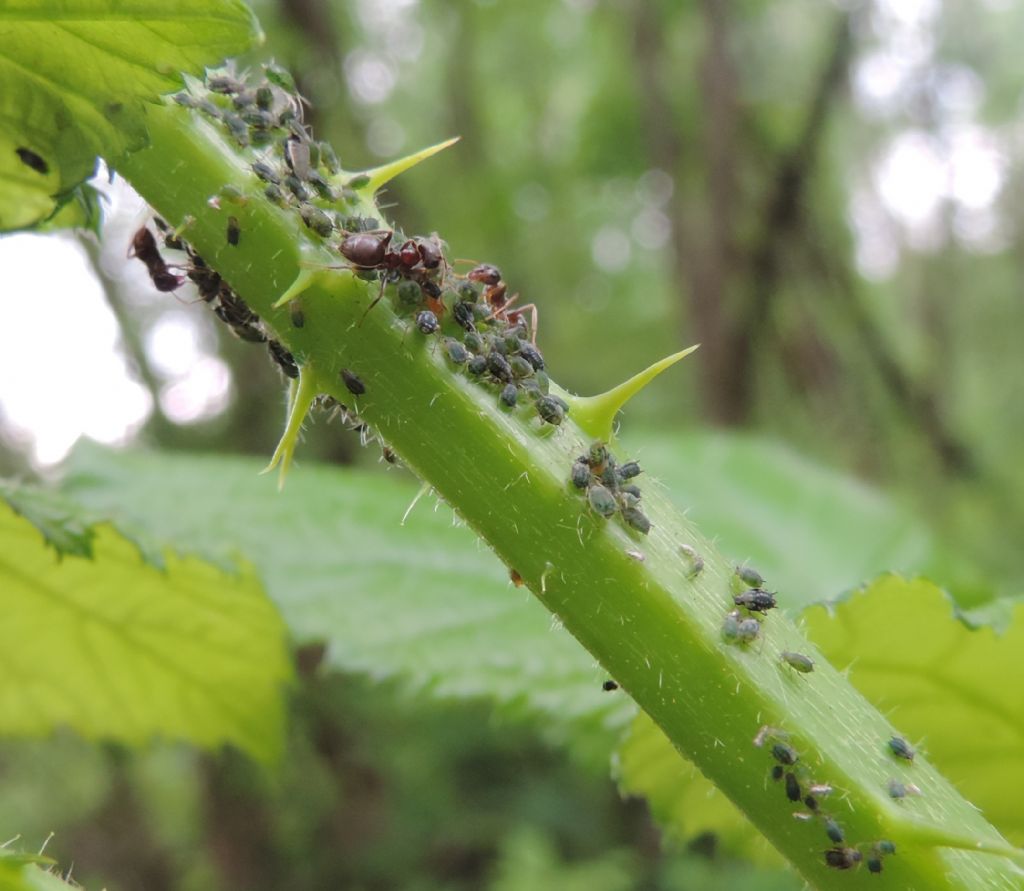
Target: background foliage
x=823 y=197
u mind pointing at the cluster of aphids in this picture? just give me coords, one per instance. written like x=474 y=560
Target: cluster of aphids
x=473 y=314
x=802 y=791
x=213 y=290
x=751 y=599
x=608 y=487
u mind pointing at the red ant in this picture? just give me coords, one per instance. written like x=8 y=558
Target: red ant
x=494 y=293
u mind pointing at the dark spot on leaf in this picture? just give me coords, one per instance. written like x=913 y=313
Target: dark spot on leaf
x=30 y=159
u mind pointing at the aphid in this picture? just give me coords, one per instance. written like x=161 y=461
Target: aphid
x=509 y=395
x=517 y=579
x=316 y=220
x=265 y=172
x=901 y=748
x=232 y=194
x=427 y=322
x=463 y=315
x=811 y=802
x=296 y=187
x=757 y=600
x=477 y=365
x=629 y=470
x=834 y=831
x=609 y=685
x=264 y=97
x=597 y=456
x=259 y=119
x=295 y=313
x=237 y=127
x=784 y=754
x=874 y=864
x=456 y=351
x=550 y=411
x=632 y=490
x=637 y=519
x=580 y=475
x=902 y=790
x=749 y=630
x=284 y=359
x=30 y=159
x=352 y=382
x=842 y=858
x=185 y=100
x=601 y=500
x=799 y=661
x=777 y=771
x=207 y=107
x=883 y=846
x=359 y=181
x=793 y=792
x=695 y=561
x=732 y=631
x=750 y=576
x=223 y=83
x=409 y=293
x=275 y=193
x=330 y=159
x=531 y=354
x=234 y=231
x=474 y=342
x=322 y=187
x=498 y=365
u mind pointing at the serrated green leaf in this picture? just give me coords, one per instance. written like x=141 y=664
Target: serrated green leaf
x=75 y=73
x=118 y=649
x=424 y=602
x=811 y=531
x=684 y=803
x=20 y=871
x=61 y=523
x=955 y=691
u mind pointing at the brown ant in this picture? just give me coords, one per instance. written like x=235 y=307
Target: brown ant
x=494 y=293
x=144 y=247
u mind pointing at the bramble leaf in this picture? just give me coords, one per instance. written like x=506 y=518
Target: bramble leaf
x=957 y=692
x=75 y=73
x=118 y=649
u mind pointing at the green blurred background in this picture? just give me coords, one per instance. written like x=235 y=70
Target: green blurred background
x=821 y=194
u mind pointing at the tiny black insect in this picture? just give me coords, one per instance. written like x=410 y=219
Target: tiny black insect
x=901 y=748
x=834 y=831
x=352 y=382
x=427 y=322
x=842 y=858
x=757 y=600
x=793 y=792
x=234 y=231
x=784 y=754
x=609 y=685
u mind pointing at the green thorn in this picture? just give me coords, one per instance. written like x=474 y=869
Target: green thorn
x=596 y=414
x=301 y=394
x=302 y=282
x=378 y=176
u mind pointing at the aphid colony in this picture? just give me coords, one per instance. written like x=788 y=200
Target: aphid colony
x=811 y=795
x=751 y=597
x=213 y=290
x=473 y=314
x=608 y=487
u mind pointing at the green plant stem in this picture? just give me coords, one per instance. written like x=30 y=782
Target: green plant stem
x=654 y=630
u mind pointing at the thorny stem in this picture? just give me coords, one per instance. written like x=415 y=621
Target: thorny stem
x=629 y=599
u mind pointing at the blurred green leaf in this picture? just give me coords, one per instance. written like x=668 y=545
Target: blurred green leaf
x=74 y=75
x=61 y=523
x=812 y=532
x=683 y=802
x=22 y=872
x=954 y=690
x=118 y=649
x=426 y=602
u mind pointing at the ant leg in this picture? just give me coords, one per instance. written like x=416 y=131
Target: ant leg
x=375 y=301
x=499 y=312
x=532 y=307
